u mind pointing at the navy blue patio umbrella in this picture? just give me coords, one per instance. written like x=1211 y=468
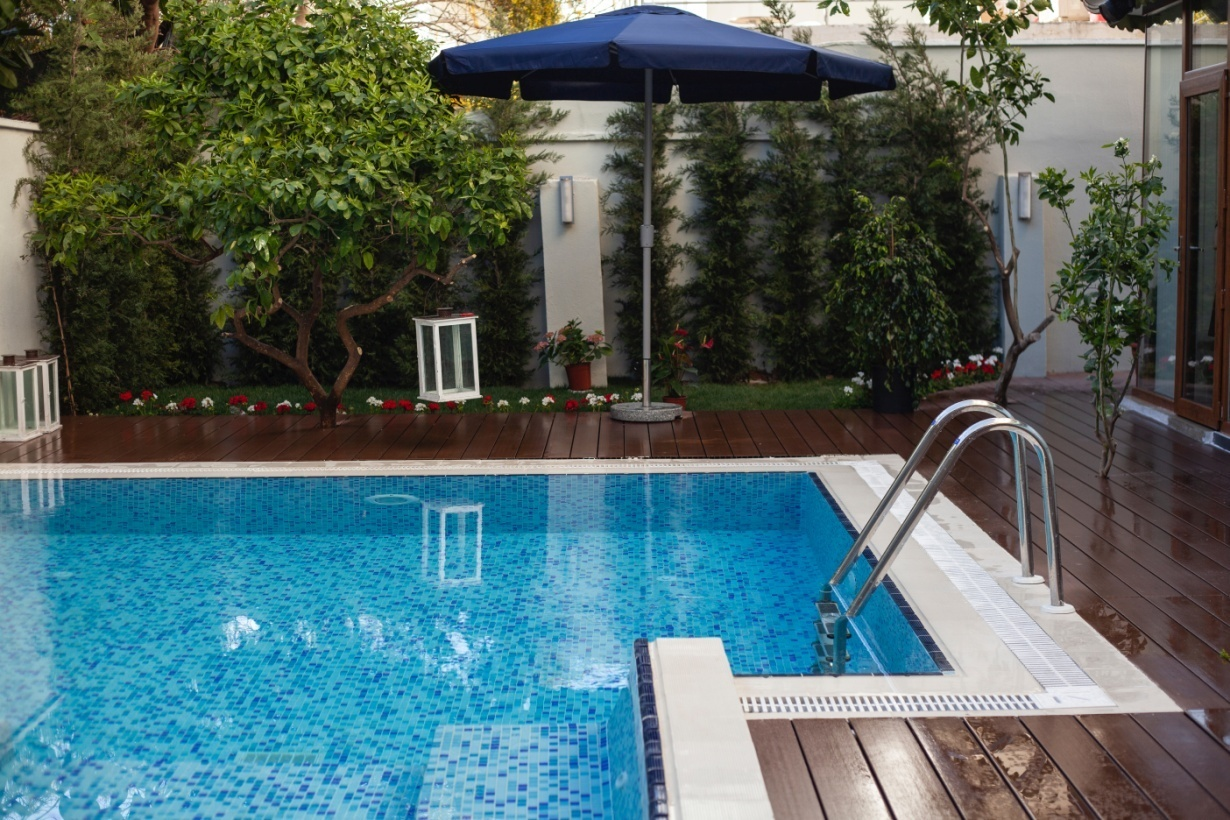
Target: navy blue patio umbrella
x=640 y=54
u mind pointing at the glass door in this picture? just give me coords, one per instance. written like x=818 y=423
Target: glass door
x=1200 y=374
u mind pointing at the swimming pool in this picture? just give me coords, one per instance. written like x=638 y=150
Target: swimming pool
x=388 y=645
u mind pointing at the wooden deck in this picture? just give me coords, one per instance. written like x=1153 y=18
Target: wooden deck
x=1146 y=557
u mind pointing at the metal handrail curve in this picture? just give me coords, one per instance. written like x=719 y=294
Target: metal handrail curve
x=1049 y=511
x=1027 y=575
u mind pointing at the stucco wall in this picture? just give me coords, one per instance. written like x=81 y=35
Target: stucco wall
x=19 y=323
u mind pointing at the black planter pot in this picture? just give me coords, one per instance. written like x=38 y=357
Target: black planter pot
x=891 y=392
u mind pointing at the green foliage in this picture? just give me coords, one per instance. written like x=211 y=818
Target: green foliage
x=499 y=281
x=672 y=358
x=724 y=182
x=123 y=314
x=15 y=28
x=322 y=156
x=886 y=297
x=1104 y=289
x=623 y=205
x=913 y=143
x=792 y=240
x=993 y=91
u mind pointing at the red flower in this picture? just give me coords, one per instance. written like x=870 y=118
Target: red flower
x=681 y=344
x=146 y=395
x=707 y=344
x=126 y=395
x=680 y=332
x=971 y=367
x=452 y=405
x=433 y=407
x=237 y=400
x=988 y=369
x=607 y=398
x=936 y=375
x=486 y=400
x=571 y=405
x=388 y=404
x=281 y=408
x=406 y=405
x=260 y=407
x=310 y=407
x=188 y=404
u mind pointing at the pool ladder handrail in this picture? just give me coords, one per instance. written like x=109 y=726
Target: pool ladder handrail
x=941 y=421
x=1020 y=433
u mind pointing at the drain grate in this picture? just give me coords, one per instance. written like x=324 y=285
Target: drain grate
x=887 y=704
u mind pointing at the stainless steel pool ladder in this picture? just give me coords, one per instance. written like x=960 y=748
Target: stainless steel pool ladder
x=834 y=623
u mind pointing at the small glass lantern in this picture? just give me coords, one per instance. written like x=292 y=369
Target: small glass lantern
x=448 y=356
x=29 y=395
x=453 y=537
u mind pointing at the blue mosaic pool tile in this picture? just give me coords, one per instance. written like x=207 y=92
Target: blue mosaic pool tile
x=249 y=648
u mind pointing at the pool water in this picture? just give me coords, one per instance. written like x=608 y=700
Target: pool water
x=385 y=646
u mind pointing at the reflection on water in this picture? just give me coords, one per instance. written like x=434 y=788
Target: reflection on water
x=248 y=649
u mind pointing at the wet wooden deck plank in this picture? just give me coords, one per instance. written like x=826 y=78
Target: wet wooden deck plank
x=972 y=780
x=910 y=784
x=1206 y=760
x=791 y=793
x=1167 y=784
x=688 y=442
x=1038 y=782
x=839 y=769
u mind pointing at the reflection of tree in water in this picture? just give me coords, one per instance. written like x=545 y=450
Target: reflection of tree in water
x=1115 y=628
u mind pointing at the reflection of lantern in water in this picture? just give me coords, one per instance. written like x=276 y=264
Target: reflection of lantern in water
x=453 y=534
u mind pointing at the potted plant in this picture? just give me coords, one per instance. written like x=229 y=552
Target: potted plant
x=886 y=298
x=571 y=348
x=672 y=359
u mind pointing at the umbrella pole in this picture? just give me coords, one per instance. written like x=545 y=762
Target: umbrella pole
x=647 y=238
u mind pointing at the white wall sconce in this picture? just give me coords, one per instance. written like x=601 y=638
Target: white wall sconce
x=29 y=395
x=448 y=356
x=1024 y=194
x=565 y=200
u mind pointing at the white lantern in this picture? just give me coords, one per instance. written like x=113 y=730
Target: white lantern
x=453 y=543
x=448 y=356
x=29 y=395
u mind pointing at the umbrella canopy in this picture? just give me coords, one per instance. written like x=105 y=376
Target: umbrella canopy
x=604 y=58
x=639 y=54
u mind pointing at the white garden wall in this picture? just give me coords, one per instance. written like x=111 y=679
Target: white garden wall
x=19 y=322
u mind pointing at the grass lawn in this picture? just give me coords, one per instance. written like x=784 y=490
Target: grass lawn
x=811 y=395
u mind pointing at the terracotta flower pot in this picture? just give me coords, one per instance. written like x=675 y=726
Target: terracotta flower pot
x=682 y=401
x=578 y=376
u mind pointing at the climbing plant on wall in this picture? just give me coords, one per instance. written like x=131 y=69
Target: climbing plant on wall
x=723 y=180
x=623 y=207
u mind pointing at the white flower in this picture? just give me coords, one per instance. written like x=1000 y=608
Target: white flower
x=207 y=402
x=594 y=400
x=251 y=408
x=138 y=403
x=1206 y=359
x=523 y=401
x=1170 y=359
x=997 y=349
x=372 y=401
x=461 y=404
x=283 y=403
x=171 y=407
x=547 y=401
x=419 y=407
x=637 y=396
x=154 y=396
x=993 y=360
x=849 y=391
x=951 y=375
x=502 y=403
x=976 y=358
x=298 y=406
x=614 y=398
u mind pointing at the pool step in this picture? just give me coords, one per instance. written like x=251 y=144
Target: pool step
x=829 y=612
x=543 y=770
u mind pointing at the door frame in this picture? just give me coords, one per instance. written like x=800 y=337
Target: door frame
x=1196 y=83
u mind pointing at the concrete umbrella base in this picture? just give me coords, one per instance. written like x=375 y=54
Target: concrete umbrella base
x=636 y=411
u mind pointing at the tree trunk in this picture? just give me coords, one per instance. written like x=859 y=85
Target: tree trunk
x=151 y=21
x=1005 y=375
x=327 y=407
